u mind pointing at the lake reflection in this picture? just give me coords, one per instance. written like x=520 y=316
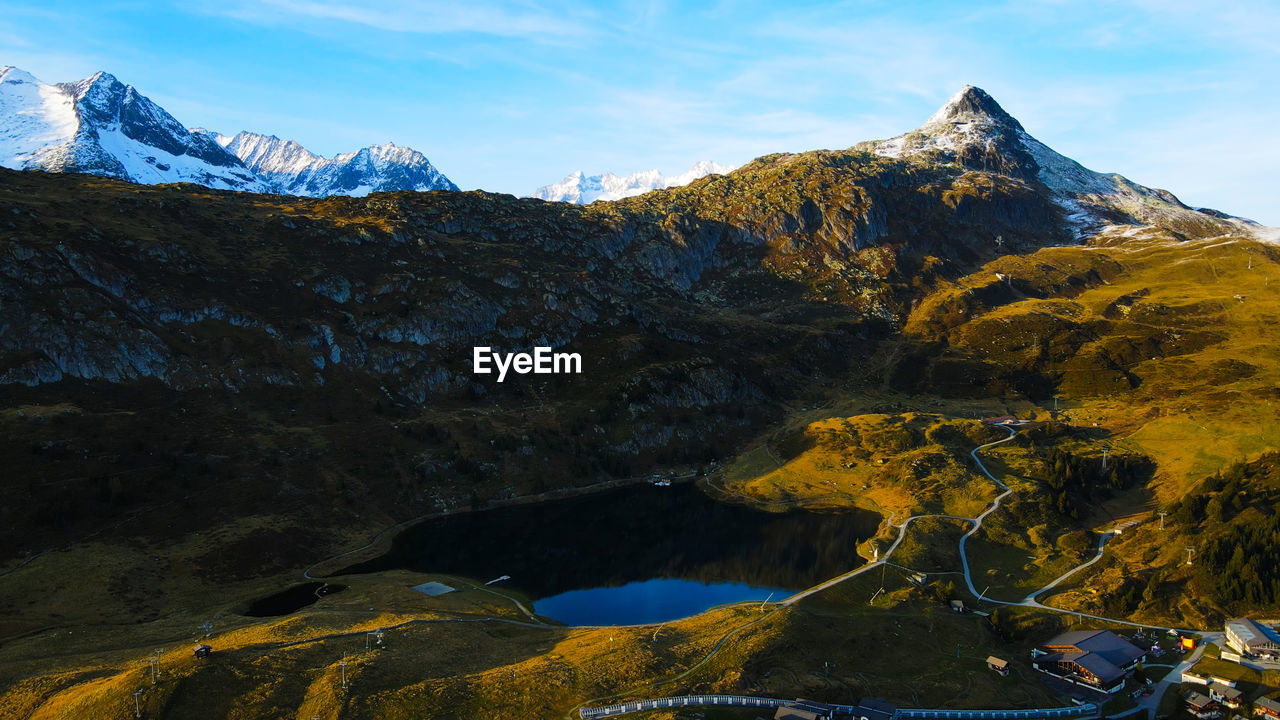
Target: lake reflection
x=623 y=538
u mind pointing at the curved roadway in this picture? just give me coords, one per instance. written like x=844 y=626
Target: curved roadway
x=976 y=522
x=1030 y=600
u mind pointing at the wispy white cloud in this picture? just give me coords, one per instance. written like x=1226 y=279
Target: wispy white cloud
x=423 y=17
x=11 y=37
x=1251 y=23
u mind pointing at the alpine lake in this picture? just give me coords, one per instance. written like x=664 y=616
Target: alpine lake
x=636 y=555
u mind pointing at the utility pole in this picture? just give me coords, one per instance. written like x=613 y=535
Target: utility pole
x=1162 y=515
x=1190 y=553
x=155 y=665
x=1104 y=459
x=343 y=665
x=137 y=705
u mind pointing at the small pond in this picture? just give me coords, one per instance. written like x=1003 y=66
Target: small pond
x=291 y=599
x=634 y=555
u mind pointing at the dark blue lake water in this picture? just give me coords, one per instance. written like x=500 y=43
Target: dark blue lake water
x=647 y=601
x=634 y=555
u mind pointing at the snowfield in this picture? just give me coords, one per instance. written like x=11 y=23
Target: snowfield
x=37 y=117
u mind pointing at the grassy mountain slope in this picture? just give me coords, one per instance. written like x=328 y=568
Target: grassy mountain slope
x=202 y=393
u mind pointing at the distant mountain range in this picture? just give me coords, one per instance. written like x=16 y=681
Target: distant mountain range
x=582 y=189
x=104 y=127
x=297 y=171
x=101 y=126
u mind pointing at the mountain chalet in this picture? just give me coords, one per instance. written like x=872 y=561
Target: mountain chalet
x=1095 y=659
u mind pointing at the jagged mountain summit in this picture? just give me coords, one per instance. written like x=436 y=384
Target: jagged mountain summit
x=297 y=171
x=104 y=127
x=581 y=189
x=973 y=131
x=101 y=126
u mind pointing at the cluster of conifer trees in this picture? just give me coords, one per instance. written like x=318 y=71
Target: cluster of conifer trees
x=1235 y=511
x=1077 y=480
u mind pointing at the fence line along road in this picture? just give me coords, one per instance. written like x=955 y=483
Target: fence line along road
x=681 y=701
x=1075 y=711
x=1088 y=710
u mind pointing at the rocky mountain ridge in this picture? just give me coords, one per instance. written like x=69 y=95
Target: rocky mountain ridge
x=104 y=127
x=972 y=130
x=294 y=170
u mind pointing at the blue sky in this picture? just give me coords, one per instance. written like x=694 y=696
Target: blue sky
x=507 y=96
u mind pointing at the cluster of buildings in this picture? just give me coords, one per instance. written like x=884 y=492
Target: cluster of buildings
x=1219 y=693
x=1101 y=660
x=1248 y=641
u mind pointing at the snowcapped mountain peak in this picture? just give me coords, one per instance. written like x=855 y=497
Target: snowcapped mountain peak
x=581 y=189
x=103 y=77
x=298 y=171
x=700 y=169
x=972 y=104
x=972 y=131
x=267 y=154
x=100 y=91
x=709 y=167
x=399 y=153
x=13 y=75
x=98 y=125
x=39 y=120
